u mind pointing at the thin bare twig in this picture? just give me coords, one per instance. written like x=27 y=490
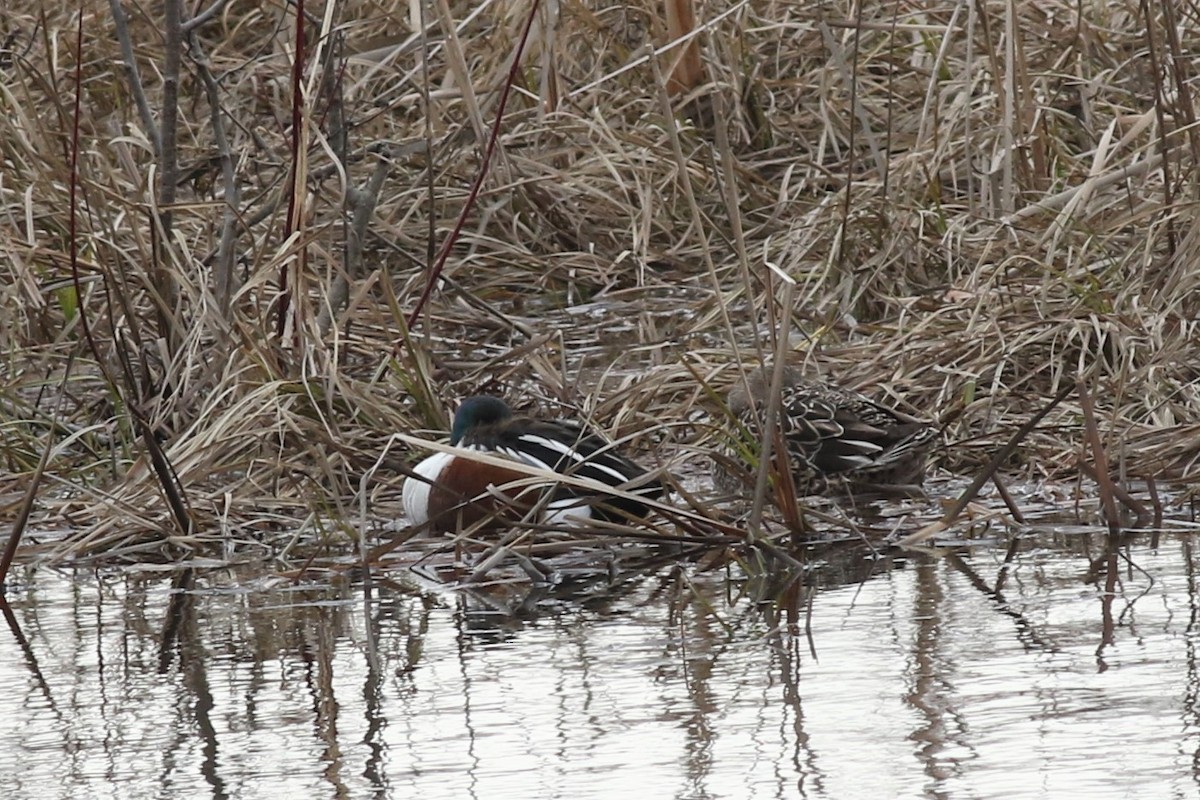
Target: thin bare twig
x=134 y=75
x=439 y=264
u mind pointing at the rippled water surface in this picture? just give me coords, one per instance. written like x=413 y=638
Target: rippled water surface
x=925 y=683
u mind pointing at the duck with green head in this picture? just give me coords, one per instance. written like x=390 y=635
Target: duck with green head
x=450 y=491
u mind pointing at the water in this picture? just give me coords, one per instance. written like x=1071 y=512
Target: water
x=925 y=683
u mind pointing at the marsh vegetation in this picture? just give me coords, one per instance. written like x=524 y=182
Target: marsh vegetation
x=243 y=244
x=253 y=255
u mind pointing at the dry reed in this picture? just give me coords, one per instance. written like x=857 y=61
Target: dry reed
x=979 y=206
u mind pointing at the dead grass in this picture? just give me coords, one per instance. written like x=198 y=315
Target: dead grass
x=977 y=210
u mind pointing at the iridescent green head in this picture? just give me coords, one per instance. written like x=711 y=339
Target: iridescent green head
x=477 y=411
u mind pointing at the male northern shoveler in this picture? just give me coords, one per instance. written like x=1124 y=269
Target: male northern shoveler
x=838 y=441
x=451 y=491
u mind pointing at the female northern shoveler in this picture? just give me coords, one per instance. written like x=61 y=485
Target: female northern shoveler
x=450 y=491
x=838 y=441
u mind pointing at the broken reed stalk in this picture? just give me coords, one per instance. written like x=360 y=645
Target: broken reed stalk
x=931 y=530
x=1009 y=502
x=1100 y=473
x=297 y=176
x=1139 y=509
x=770 y=427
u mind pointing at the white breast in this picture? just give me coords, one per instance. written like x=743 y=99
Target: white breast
x=416 y=491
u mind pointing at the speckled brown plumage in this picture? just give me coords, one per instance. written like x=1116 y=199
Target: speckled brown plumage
x=838 y=441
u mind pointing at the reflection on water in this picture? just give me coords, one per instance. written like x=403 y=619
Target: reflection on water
x=896 y=677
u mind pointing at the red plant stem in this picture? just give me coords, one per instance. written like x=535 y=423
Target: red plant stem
x=440 y=263
x=14 y=538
